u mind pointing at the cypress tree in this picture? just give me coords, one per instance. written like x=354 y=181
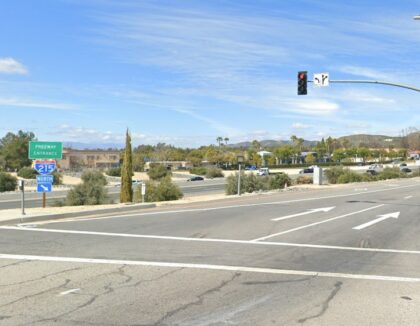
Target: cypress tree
x=126 y=194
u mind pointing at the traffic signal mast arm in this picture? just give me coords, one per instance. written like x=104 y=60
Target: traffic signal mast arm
x=373 y=82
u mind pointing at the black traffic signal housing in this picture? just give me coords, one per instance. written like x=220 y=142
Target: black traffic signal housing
x=302 y=83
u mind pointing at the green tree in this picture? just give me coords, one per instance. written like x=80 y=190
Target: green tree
x=14 y=149
x=310 y=159
x=126 y=194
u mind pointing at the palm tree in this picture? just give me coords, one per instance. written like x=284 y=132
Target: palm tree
x=226 y=140
x=219 y=140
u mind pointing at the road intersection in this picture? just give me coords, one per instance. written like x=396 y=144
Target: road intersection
x=288 y=258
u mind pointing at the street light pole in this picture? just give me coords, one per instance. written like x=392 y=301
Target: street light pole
x=240 y=159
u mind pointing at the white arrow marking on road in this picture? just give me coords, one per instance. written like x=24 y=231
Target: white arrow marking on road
x=379 y=219
x=68 y=292
x=310 y=211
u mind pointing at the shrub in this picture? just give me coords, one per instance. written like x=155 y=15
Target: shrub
x=390 y=173
x=7 y=182
x=27 y=173
x=160 y=191
x=333 y=174
x=114 y=172
x=214 y=173
x=278 y=181
x=158 y=171
x=94 y=176
x=251 y=183
x=199 y=170
x=91 y=192
x=304 y=180
x=58 y=178
x=349 y=176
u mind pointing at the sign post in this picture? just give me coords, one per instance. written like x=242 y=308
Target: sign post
x=44 y=155
x=22 y=189
x=240 y=160
x=143 y=191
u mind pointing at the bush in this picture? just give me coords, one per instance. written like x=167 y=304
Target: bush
x=200 y=170
x=214 y=173
x=334 y=173
x=390 y=173
x=114 y=172
x=94 y=176
x=7 y=182
x=160 y=191
x=349 y=176
x=278 y=181
x=304 y=180
x=91 y=192
x=27 y=173
x=158 y=171
x=58 y=178
x=251 y=183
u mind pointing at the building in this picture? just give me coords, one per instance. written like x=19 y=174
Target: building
x=74 y=159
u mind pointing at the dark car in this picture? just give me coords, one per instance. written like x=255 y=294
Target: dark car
x=405 y=169
x=306 y=170
x=196 y=179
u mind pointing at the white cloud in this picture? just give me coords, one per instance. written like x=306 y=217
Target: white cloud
x=11 y=66
x=370 y=73
x=34 y=104
x=313 y=107
x=298 y=125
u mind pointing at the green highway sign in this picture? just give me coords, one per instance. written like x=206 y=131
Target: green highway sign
x=45 y=150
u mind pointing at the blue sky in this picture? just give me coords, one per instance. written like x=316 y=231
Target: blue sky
x=186 y=72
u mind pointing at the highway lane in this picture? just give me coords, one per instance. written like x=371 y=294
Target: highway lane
x=259 y=260
x=33 y=199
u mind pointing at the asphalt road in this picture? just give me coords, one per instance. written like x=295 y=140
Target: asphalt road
x=345 y=256
x=33 y=199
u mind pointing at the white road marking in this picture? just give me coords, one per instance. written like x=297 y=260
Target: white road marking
x=360 y=189
x=246 y=242
x=310 y=211
x=227 y=207
x=408 y=197
x=210 y=267
x=68 y=292
x=314 y=224
x=379 y=219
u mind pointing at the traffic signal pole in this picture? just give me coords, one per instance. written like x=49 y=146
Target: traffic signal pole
x=416 y=89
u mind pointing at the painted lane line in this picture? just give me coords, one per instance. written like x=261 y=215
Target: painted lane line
x=408 y=197
x=68 y=292
x=211 y=267
x=310 y=211
x=245 y=242
x=316 y=223
x=379 y=219
x=191 y=210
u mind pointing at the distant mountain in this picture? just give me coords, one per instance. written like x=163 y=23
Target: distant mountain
x=78 y=145
x=271 y=143
x=372 y=141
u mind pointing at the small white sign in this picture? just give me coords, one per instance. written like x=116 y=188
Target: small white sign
x=322 y=79
x=143 y=189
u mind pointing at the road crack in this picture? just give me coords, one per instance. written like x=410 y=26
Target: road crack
x=199 y=299
x=325 y=304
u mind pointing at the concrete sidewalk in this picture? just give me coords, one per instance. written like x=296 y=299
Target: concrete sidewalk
x=14 y=216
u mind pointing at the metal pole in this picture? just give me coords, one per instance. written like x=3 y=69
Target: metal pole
x=44 y=199
x=23 y=196
x=373 y=82
x=239 y=180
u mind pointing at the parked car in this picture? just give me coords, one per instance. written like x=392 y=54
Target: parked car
x=196 y=178
x=375 y=169
x=263 y=171
x=307 y=170
x=404 y=168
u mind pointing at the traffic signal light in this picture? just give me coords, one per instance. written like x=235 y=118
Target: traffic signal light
x=302 y=82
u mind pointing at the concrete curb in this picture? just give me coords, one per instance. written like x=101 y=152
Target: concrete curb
x=41 y=218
